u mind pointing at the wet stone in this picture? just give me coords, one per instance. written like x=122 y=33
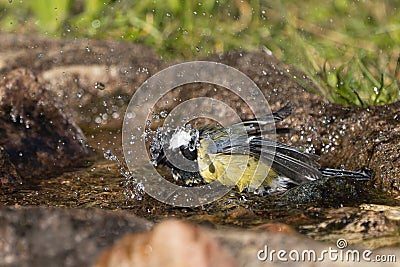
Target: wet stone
x=329 y=192
x=8 y=173
x=39 y=138
x=93 y=79
x=36 y=236
x=369 y=225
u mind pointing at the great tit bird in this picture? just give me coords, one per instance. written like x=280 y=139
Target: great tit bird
x=241 y=155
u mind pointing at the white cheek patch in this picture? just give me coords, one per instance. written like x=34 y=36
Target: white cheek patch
x=179 y=138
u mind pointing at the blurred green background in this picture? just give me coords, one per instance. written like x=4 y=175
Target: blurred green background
x=349 y=48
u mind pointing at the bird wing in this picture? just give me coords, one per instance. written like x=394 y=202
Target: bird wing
x=254 y=126
x=284 y=159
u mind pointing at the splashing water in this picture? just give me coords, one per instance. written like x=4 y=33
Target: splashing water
x=134 y=189
x=99 y=86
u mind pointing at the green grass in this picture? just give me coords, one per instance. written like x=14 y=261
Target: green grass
x=349 y=48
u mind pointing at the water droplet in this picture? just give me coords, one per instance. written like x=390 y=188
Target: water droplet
x=156 y=117
x=97 y=120
x=188 y=127
x=109 y=155
x=96 y=23
x=130 y=115
x=99 y=86
x=163 y=114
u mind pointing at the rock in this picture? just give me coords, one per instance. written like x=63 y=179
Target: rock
x=40 y=139
x=73 y=67
x=254 y=248
x=34 y=236
x=330 y=192
x=277 y=228
x=8 y=173
x=174 y=243
x=369 y=225
x=170 y=243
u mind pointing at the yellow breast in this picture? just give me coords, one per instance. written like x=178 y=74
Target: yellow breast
x=241 y=170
